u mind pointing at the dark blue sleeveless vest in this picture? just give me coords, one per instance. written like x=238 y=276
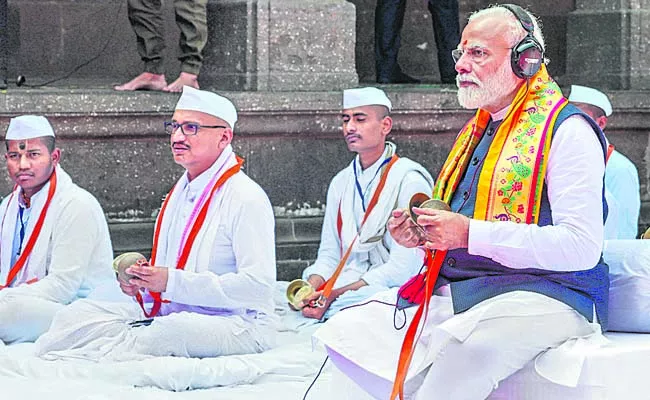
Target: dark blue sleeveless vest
x=474 y=278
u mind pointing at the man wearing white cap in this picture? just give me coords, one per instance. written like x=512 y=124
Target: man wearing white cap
x=54 y=239
x=207 y=290
x=376 y=262
x=621 y=176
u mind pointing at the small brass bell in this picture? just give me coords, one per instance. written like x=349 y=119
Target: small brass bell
x=124 y=261
x=646 y=234
x=297 y=291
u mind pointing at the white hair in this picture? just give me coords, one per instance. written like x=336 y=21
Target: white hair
x=516 y=32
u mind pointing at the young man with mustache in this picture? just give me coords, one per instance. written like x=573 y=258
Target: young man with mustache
x=208 y=288
x=376 y=262
x=519 y=254
x=54 y=241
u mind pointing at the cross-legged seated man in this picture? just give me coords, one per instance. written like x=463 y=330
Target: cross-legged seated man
x=54 y=239
x=376 y=261
x=519 y=254
x=208 y=289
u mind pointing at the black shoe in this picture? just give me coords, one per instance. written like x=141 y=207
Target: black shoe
x=398 y=78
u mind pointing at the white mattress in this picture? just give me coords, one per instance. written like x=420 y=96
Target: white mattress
x=283 y=372
x=618 y=371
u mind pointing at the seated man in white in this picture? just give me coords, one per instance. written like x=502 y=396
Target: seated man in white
x=208 y=289
x=621 y=176
x=376 y=262
x=54 y=237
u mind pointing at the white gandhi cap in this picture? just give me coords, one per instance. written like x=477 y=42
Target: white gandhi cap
x=367 y=96
x=209 y=103
x=587 y=95
x=28 y=127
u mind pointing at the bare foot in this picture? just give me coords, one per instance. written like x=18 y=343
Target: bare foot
x=184 y=79
x=144 y=81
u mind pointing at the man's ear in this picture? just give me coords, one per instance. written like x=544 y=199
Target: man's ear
x=56 y=156
x=602 y=122
x=386 y=125
x=226 y=138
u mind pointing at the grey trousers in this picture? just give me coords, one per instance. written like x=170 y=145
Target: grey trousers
x=146 y=18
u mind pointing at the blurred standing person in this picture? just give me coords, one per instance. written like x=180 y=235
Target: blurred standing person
x=146 y=18
x=389 y=18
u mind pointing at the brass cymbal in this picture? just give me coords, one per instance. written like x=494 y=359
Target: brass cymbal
x=646 y=234
x=422 y=200
x=297 y=291
x=125 y=260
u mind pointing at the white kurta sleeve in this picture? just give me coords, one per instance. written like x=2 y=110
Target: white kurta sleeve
x=329 y=250
x=251 y=225
x=574 y=179
x=76 y=234
x=403 y=262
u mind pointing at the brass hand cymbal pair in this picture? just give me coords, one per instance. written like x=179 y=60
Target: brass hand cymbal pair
x=124 y=261
x=298 y=290
x=422 y=200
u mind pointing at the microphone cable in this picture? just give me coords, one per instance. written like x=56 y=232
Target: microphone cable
x=21 y=80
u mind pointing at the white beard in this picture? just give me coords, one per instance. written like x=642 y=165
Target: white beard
x=495 y=87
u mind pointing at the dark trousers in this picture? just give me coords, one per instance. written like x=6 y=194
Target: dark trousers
x=147 y=21
x=389 y=18
x=4 y=44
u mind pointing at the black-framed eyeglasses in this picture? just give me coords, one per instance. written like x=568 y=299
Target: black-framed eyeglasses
x=188 y=128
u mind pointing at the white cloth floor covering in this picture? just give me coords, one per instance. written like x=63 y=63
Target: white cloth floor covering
x=615 y=371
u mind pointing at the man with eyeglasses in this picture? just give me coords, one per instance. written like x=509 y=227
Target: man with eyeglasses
x=54 y=241
x=356 y=194
x=515 y=271
x=208 y=289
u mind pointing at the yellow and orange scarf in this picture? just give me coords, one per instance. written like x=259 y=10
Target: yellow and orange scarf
x=511 y=181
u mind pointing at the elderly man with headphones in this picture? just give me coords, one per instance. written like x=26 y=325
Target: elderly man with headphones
x=514 y=271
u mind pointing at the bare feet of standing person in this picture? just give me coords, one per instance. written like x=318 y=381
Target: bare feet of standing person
x=184 y=79
x=144 y=81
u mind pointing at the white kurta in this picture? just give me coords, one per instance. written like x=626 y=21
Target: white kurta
x=221 y=303
x=472 y=351
x=375 y=258
x=622 y=181
x=72 y=256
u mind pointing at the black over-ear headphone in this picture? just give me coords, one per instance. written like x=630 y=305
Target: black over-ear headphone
x=527 y=55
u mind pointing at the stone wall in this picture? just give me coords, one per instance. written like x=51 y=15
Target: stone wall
x=114 y=145
x=296 y=45
x=252 y=44
x=418 y=55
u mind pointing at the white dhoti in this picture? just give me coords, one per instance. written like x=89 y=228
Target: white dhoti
x=100 y=331
x=461 y=356
x=24 y=318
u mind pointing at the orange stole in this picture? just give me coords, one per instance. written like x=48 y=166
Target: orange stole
x=187 y=247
